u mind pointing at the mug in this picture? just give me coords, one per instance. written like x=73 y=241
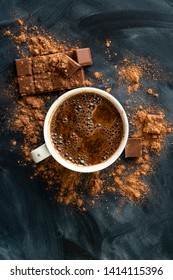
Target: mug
x=48 y=148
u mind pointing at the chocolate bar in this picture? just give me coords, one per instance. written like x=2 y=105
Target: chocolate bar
x=133 y=147
x=48 y=73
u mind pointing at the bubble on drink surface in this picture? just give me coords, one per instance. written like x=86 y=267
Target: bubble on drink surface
x=82 y=162
x=98 y=125
x=69 y=158
x=91 y=106
x=53 y=134
x=65 y=120
x=79 y=108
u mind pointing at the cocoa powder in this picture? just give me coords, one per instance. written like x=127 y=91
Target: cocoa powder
x=29 y=119
x=131 y=75
x=129 y=177
x=34 y=40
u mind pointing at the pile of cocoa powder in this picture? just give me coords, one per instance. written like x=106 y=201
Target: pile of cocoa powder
x=127 y=177
x=130 y=178
x=34 y=40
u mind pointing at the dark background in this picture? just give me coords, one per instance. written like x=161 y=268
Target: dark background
x=31 y=225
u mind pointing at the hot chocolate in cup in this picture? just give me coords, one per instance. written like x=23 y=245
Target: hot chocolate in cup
x=85 y=130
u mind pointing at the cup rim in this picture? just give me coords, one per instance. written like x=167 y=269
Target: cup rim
x=68 y=164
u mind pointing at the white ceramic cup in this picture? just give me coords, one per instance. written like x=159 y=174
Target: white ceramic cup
x=48 y=148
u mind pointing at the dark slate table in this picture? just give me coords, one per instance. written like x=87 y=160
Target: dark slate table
x=31 y=225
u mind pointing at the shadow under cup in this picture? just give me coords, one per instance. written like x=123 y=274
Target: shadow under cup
x=57 y=155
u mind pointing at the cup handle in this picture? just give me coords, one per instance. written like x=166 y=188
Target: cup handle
x=40 y=153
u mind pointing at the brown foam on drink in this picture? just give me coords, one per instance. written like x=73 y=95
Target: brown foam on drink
x=86 y=129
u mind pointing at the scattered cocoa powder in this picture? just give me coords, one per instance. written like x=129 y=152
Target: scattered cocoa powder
x=108 y=43
x=96 y=184
x=34 y=40
x=150 y=91
x=98 y=75
x=20 y=21
x=14 y=142
x=29 y=119
x=131 y=75
x=108 y=89
x=129 y=178
x=132 y=70
x=88 y=83
x=152 y=135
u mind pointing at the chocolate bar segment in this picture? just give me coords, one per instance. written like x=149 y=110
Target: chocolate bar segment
x=83 y=56
x=24 y=67
x=26 y=85
x=43 y=83
x=40 y=64
x=133 y=147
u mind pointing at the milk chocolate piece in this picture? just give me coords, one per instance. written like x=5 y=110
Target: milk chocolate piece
x=153 y=124
x=83 y=57
x=133 y=147
x=26 y=85
x=50 y=72
x=24 y=67
x=73 y=66
x=39 y=64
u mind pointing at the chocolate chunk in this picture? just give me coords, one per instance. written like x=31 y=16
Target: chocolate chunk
x=24 y=66
x=133 y=147
x=72 y=67
x=153 y=124
x=50 y=72
x=26 y=85
x=84 y=56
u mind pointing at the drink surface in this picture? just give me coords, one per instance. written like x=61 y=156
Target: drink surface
x=86 y=129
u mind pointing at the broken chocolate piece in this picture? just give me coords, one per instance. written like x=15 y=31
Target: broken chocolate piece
x=24 y=66
x=72 y=67
x=133 y=147
x=83 y=56
x=50 y=72
x=72 y=54
x=26 y=85
x=153 y=124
